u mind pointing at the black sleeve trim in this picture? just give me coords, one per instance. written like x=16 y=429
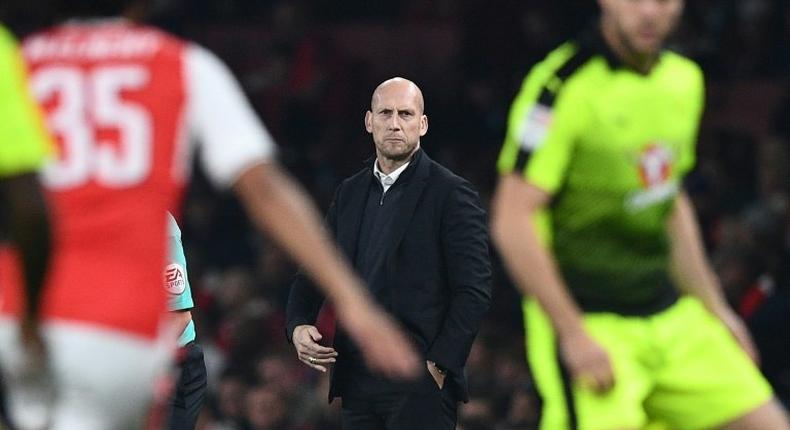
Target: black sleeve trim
x=548 y=96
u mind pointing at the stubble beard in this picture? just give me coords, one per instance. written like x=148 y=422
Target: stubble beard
x=399 y=154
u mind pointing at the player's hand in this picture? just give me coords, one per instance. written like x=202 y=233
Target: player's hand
x=31 y=372
x=587 y=361
x=35 y=367
x=735 y=324
x=32 y=342
x=384 y=346
x=309 y=351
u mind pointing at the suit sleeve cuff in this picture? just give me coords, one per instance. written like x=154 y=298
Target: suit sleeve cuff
x=291 y=326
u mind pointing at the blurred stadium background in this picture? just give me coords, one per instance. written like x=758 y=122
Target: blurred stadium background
x=309 y=68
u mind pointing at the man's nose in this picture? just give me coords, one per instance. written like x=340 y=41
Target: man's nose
x=394 y=123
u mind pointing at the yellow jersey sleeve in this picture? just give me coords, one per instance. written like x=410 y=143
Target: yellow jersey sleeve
x=24 y=140
x=543 y=124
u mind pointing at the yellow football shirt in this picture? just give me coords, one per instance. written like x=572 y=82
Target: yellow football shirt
x=24 y=140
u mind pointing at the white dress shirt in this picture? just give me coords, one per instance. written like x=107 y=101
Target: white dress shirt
x=388 y=180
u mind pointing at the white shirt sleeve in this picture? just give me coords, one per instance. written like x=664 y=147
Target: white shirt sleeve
x=232 y=137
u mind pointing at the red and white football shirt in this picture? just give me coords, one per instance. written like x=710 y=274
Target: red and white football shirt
x=124 y=103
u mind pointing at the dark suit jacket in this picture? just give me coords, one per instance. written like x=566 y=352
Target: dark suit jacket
x=438 y=272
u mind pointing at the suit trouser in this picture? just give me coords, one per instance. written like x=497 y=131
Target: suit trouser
x=375 y=403
x=190 y=391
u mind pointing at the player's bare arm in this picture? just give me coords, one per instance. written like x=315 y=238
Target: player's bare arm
x=30 y=230
x=693 y=273
x=180 y=319
x=533 y=268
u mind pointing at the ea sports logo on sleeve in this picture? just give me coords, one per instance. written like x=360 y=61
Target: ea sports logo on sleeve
x=175 y=279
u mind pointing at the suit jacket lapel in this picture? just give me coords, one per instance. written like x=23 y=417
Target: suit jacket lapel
x=408 y=205
x=349 y=215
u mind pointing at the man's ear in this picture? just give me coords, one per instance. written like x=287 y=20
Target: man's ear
x=423 y=125
x=369 y=121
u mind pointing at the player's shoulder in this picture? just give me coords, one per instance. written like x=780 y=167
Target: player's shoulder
x=205 y=67
x=681 y=66
x=163 y=35
x=569 y=66
x=559 y=56
x=168 y=44
x=7 y=40
x=8 y=47
x=561 y=62
x=202 y=57
x=585 y=54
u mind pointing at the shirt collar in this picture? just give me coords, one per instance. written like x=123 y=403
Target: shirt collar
x=390 y=179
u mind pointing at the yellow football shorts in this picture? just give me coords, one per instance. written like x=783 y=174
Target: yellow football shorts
x=680 y=367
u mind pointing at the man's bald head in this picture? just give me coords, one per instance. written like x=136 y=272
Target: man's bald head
x=398 y=85
x=396 y=119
